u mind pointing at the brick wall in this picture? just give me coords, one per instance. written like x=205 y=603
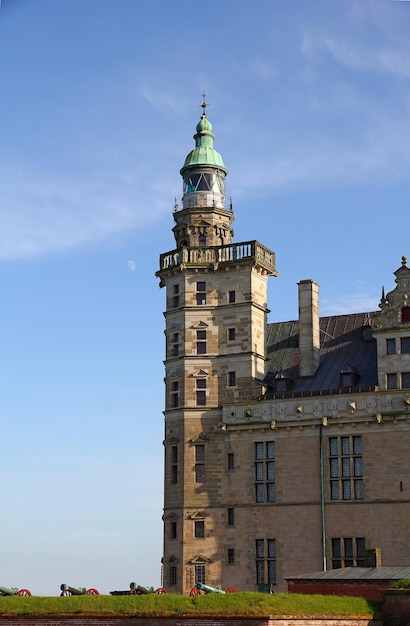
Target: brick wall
x=370 y=589
x=132 y=621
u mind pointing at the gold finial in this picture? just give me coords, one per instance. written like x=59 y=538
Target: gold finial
x=204 y=103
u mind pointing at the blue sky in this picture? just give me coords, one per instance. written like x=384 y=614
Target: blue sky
x=310 y=105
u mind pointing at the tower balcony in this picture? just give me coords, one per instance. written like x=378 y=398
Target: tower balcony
x=203 y=200
x=216 y=256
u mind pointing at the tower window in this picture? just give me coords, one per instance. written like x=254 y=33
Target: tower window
x=231 y=517
x=175 y=344
x=201 y=341
x=231 y=334
x=201 y=292
x=174 y=394
x=200 y=575
x=174 y=465
x=201 y=392
x=172 y=575
x=200 y=463
x=231 y=556
x=232 y=379
x=199 y=529
x=175 y=301
x=173 y=530
x=202 y=239
x=231 y=461
x=231 y=296
x=390 y=346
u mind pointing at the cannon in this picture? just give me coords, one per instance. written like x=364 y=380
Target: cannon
x=138 y=590
x=66 y=590
x=14 y=591
x=201 y=588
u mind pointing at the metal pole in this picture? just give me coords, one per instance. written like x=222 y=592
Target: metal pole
x=322 y=498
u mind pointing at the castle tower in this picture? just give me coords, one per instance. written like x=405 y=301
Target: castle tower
x=215 y=328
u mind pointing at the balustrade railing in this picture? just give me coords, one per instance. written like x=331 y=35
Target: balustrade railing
x=249 y=250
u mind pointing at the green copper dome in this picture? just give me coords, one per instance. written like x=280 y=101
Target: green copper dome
x=204 y=152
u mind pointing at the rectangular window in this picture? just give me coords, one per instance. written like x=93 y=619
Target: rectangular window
x=231 y=334
x=201 y=293
x=200 y=463
x=265 y=561
x=231 y=517
x=231 y=556
x=391 y=380
x=201 y=341
x=405 y=380
x=199 y=529
x=346 y=379
x=231 y=461
x=348 y=552
x=172 y=575
x=232 y=379
x=174 y=465
x=405 y=345
x=265 y=471
x=232 y=296
x=175 y=344
x=200 y=574
x=390 y=346
x=173 y=530
x=346 y=468
x=174 y=393
x=201 y=392
x=175 y=297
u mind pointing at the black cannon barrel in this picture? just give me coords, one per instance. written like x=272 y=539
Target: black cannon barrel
x=120 y=593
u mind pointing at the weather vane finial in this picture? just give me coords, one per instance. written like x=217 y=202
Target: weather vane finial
x=204 y=103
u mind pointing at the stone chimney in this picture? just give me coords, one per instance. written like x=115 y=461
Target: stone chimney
x=309 y=333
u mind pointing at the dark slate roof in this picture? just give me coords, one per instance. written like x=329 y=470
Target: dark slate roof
x=345 y=346
x=357 y=573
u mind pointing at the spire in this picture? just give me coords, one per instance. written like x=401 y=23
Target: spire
x=204 y=152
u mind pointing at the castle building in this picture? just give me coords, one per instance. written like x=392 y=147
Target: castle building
x=286 y=444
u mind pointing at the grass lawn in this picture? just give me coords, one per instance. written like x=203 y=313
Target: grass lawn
x=247 y=604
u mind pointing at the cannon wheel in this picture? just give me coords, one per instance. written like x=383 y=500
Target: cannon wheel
x=231 y=590
x=195 y=592
x=65 y=593
x=23 y=592
x=161 y=590
x=92 y=592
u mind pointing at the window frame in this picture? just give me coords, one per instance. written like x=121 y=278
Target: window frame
x=201 y=292
x=200 y=391
x=199 y=529
x=345 y=454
